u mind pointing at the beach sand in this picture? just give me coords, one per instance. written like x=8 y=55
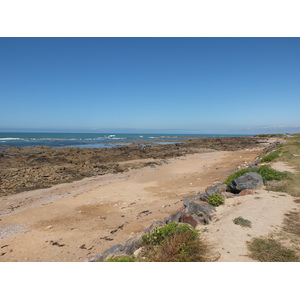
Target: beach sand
x=71 y=221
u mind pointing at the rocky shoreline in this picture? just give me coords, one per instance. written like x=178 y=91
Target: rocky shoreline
x=29 y=168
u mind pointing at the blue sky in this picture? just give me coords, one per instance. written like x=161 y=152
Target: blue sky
x=180 y=85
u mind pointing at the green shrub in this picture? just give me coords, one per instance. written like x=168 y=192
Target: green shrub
x=159 y=234
x=242 y=222
x=266 y=172
x=216 y=199
x=121 y=259
x=174 y=242
x=271 y=156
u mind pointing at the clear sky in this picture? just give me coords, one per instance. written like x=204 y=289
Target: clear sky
x=180 y=85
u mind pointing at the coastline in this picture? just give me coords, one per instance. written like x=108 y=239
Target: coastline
x=71 y=221
x=30 y=168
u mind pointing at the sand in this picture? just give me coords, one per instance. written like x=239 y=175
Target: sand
x=69 y=222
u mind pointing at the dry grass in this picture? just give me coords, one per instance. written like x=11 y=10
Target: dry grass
x=282 y=246
x=292 y=223
x=269 y=250
x=182 y=247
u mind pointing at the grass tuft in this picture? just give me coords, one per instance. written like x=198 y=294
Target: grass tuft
x=242 y=222
x=269 y=250
x=292 y=223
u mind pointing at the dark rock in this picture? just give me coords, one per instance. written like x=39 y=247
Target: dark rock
x=217 y=189
x=202 y=219
x=201 y=197
x=200 y=211
x=153 y=225
x=197 y=207
x=187 y=218
x=247 y=181
x=132 y=245
x=102 y=256
x=114 y=248
x=188 y=199
x=173 y=218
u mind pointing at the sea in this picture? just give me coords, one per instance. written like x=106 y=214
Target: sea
x=92 y=140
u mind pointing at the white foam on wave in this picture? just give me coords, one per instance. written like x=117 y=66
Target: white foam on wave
x=111 y=137
x=9 y=139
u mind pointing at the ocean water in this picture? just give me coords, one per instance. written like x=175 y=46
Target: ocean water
x=92 y=140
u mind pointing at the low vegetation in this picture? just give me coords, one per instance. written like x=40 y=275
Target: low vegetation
x=174 y=242
x=291 y=156
x=292 y=223
x=271 y=156
x=216 y=199
x=266 y=172
x=270 y=250
x=242 y=222
x=283 y=246
x=121 y=259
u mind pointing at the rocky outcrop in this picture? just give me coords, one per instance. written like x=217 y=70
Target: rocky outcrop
x=248 y=181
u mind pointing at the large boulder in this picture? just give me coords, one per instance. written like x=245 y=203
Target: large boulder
x=248 y=181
